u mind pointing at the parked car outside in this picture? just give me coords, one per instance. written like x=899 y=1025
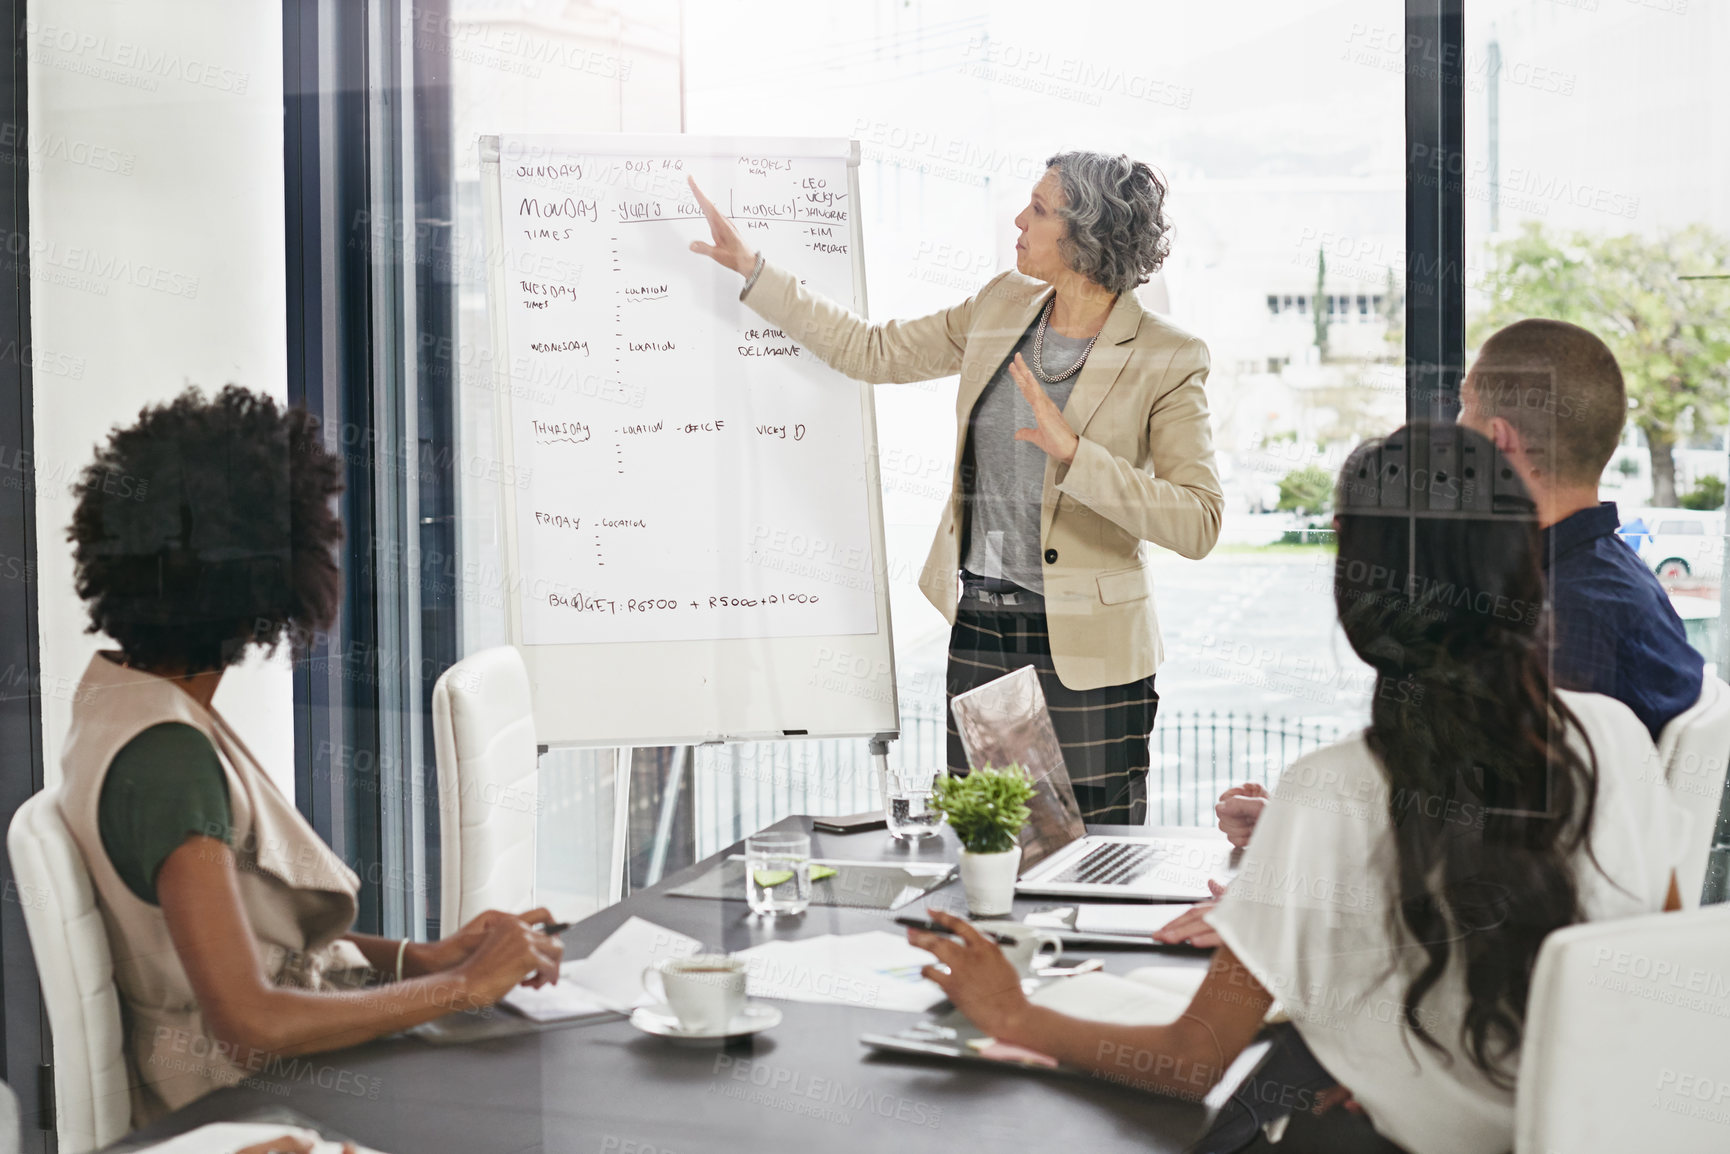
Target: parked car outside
x=1677 y=543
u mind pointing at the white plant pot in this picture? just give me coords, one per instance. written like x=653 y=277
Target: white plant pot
x=989 y=879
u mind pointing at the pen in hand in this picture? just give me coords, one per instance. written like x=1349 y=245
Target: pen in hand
x=932 y=927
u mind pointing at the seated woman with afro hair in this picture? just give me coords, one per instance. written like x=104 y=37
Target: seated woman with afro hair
x=228 y=918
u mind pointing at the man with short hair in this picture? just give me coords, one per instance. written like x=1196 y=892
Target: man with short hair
x=1551 y=397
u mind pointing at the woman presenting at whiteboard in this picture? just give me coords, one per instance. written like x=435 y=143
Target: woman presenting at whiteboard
x=1081 y=432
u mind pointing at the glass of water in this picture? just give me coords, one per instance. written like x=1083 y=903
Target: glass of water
x=907 y=794
x=778 y=873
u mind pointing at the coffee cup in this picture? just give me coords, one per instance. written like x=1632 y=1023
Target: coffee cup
x=705 y=991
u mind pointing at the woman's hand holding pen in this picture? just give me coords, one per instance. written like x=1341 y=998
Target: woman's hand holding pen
x=510 y=951
x=975 y=975
x=449 y=952
x=729 y=248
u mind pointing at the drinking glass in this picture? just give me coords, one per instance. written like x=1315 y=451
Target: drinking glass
x=907 y=804
x=778 y=873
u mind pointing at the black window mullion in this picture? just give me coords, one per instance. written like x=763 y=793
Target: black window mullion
x=1435 y=208
x=27 y=1045
x=436 y=272
x=336 y=685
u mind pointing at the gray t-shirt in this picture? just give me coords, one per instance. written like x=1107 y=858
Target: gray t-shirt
x=1004 y=488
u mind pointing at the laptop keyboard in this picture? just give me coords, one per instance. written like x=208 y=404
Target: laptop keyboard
x=1115 y=863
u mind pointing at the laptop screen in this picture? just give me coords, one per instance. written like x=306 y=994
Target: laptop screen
x=1005 y=722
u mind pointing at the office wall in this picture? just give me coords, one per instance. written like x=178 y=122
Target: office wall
x=156 y=203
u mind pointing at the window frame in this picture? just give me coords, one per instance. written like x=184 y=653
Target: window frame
x=1435 y=209
x=356 y=324
x=26 y=1058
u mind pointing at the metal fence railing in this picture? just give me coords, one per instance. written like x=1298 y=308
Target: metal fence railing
x=1194 y=755
x=742 y=788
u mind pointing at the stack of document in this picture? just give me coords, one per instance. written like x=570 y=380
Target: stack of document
x=562 y=1001
x=1150 y=996
x=608 y=981
x=877 y=970
x=1127 y=918
x=1122 y=1001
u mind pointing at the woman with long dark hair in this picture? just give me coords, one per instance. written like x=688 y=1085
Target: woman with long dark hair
x=1401 y=882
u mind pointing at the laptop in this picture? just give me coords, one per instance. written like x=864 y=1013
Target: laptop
x=1005 y=722
x=1149 y=869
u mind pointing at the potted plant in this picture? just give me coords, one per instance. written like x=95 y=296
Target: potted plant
x=987 y=809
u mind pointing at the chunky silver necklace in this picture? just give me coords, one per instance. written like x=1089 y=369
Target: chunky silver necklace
x=1039 y=348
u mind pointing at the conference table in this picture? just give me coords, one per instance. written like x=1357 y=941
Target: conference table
x=806 y=1085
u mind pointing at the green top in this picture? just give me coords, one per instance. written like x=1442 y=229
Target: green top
x=163 y=786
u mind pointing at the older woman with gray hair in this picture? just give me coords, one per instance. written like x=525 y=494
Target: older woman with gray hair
x=1081 y=433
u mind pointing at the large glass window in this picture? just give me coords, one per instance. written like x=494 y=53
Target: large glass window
x=1596 y=180
x=523 y=66
x=1280 y=128
x=1280 y=131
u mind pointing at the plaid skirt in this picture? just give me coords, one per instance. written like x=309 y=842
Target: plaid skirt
x=1103 y=732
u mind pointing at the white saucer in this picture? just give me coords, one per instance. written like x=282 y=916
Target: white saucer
x=660 y=1020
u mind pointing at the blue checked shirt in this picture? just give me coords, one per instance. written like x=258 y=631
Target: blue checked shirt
x=1615 y=631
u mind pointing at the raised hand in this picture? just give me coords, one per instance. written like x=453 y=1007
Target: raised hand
x=729 y=248
x=1053 y=435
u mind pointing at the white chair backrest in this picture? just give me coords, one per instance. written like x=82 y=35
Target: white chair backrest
x=92 y=1103
x=1694 y=749
x=484 y=734
x=1625 y=1038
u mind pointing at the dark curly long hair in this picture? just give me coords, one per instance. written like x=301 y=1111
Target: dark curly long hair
x=1439 y=589
x=207 y=527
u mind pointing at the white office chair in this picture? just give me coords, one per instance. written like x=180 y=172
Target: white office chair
x=92 y=1103
x=1624 y=1046
x=484 y=734
x=1694 y=749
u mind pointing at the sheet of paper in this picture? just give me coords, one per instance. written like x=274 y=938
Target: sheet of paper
x=613 y=974
x=1109 y=998
x=556 y=1003
x=1183 y=982
x=227 y=1137
x=876 y=969
x=1126 y=919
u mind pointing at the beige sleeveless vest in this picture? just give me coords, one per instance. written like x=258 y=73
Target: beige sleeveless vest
x=298 y=895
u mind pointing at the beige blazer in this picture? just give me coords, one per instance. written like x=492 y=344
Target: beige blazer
x=1143 y=472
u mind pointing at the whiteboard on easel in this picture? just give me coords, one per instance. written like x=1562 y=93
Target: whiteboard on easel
x=694 y=530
